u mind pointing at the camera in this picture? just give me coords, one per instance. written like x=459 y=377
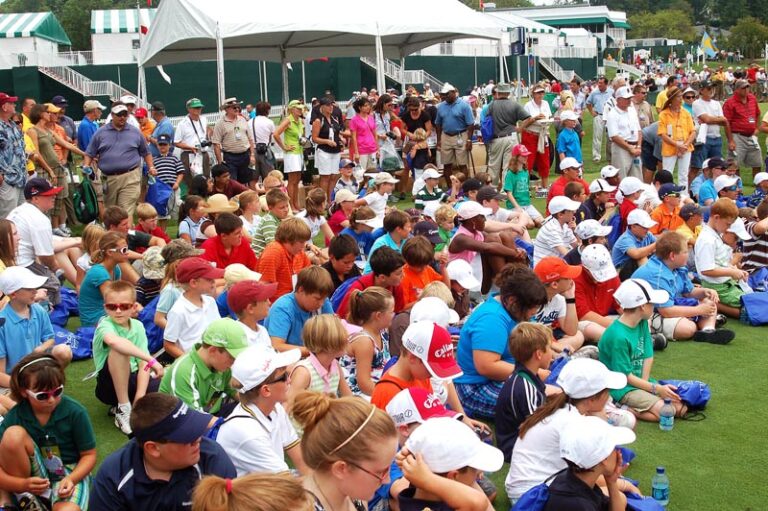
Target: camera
x=391 y=135
x=206 y=143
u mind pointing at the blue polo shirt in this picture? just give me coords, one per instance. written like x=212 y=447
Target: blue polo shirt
x=384 y=241
x=568 y=142
x=364 y=241
x=486 y=329
x=707 y=191
x=122 y=482
x=164 y=127
x=661 y=276
x=454 y=117
x=286 y=318
x=598 y=99
x=85 y=132
x=117 y=150
x=20 y=336
x=626 y=242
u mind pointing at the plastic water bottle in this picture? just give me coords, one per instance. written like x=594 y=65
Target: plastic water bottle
x=151 y=179
x=667 y=416
x=660 y=487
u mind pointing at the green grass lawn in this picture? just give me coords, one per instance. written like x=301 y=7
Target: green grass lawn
x=712 y=464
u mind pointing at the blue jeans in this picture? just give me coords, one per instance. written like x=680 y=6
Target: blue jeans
x=713 y=147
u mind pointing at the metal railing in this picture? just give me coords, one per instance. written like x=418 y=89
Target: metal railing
x=556 y=70
x=572 y=52
x=393 y=71
x=625 y=68
x=86 y=86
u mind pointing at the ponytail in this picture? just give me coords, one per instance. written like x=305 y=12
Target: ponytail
x=252 y=492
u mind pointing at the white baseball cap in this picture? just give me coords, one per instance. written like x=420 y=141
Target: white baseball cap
x=588 y=377
x=597 y=260
x=432 y=308
x=344 y=195
x=569 y=162
x=376 y=222
x=738 y=228
x=128 y=99
x=608 y=171
x=431 y=174
x=725 y=181
x=600 y=185
x=630 y=185
x=589 y=440
x=623 y=93
x=636 y=292
x=569 y=115
x=461 y=271
x=19 y=277
x=591 y=228
x=760 y=177
x=447 y=444
x=640 y=217
x=118 y=109
x=471 y=209
x=447 y=87
x=254 y=365
x=431 y=207
x=433 y=345
x=562 y=203
x=236 y=272
x=384 y=177
x=416 y=404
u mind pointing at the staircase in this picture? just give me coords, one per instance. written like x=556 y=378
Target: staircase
x=552 y=67
x=623 y=68
x=87 y=87
x=394 y=72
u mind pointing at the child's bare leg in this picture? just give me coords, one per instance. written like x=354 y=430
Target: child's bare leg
x=572 y=342
x=15 y=450
x=731 y=312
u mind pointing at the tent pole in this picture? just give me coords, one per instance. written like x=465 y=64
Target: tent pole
x=284 y=70
x=402 y=76
x=266 y=92
x=261 y=84
x=380 y=79
x=501 y=63
x=303 y=82
x=220 y=65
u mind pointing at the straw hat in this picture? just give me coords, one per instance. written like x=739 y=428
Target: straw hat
x=219 y=203
x=672 y=94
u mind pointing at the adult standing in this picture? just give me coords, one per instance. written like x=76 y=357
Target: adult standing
x=642 y=107
x=163 y=126
x=119 y=148
x=455 y=125
x=326 y=133
x=231 y=143
x=536 y=136
x=292 y=130
x=261 y=129
x=506 y=114
x=193 y=138
x=709 y=113
x=662 y=97
x=13 y=158
x=595 y=103
x=65 y=121
x=363 y=130
x=742 y=112
x=624 y=131
x=677 y=134
x=93 y=111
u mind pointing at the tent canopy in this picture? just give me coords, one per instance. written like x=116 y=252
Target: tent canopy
x=292 y=30
x=33 y=24
x=122 y=21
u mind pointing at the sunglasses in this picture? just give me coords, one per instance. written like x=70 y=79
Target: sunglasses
x=733 y=188
x=122 y=250
x=282 y=378
x=674 y=194
x=380 y=477
x=47 y=394
x=121 y=114
x=118 y=306
x=19 y=122
x=689 y=97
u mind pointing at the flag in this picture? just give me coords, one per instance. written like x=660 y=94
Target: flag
x=143 y=22
x=708 y=46
x=482 y=6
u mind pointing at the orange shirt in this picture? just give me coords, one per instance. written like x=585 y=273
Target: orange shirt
x=388 y=387
x=147 y=128
x=61 y=152
x=277 y=265
x=678 y=125
x=414 y=283
x=666 y=220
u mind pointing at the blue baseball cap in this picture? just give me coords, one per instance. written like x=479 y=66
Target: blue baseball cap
x=668 y=189
x=346 y=162
x=163 y=139
x=182 y=426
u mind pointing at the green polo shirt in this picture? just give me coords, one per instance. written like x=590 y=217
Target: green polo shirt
x=134 y=332
x=265 y=233
x=196 y=384
x=69 y=427
x=624 y=349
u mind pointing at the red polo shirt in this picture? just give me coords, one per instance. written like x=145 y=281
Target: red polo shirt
x=557 y=188
x=594 y=296
x=214 y=251
x=742 y=116
x=365 y=282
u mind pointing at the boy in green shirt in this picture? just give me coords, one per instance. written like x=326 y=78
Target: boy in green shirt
x=279 y=209
x=201 y=378
x=121 y=355
x=627 y=347
x=517 y=186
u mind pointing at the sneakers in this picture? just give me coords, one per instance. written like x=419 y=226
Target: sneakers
x=122 y=419
x=30 y=502
x=619 y=416
x=58 y=232
x=64 y=228
x=659 y=342
x=587 y=351
x=714 y=336
x=721 y=320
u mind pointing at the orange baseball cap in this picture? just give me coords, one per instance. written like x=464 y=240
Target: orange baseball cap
x=551 y=269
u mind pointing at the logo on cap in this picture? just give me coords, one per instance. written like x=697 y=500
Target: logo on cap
x=413 y=347
x=444 y=351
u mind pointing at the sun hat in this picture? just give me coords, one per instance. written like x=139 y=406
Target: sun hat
x=432 y=308
x=433 y=345
x=237 y=272
x=196 y=268
x=588 y=377
x=600 y=185
x=14 y=278
x=587 y=441
x=636 y=292
x=591 y=228
x=246 y=292
x=562 y=203
x=738 y=228
x=471 y=209
x=230 y=102
x=416 y=405
x=597 y=261
x=218 y=203
x=551 y=269
x=153 y=264
x=461 y=271
x=503 y=88
x=640 y=217
x=255 y=364
x=226 y=333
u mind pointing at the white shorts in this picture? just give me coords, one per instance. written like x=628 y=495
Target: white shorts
x=293 y=163
x=664 y=326
x=532 y=212
x=327 y=163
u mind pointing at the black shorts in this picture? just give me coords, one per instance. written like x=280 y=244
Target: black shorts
x=649 y=160
x=105 y=389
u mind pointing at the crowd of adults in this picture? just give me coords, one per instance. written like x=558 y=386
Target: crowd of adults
x=259 y=320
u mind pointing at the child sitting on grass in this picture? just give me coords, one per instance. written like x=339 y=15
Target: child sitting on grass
x=90 y=240
x=148 y=219
x=250 y=207
x=362 y=222
x=277 y=204
x=314 y=216
x=419 y=254
x=342 y=253
x=249 y=300
x=285 y=257
x=191 y=218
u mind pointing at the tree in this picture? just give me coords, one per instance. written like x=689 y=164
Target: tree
x=666 y=23
x=500 y=4
x=749 y=36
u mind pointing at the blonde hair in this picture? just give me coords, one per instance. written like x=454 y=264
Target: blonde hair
x=247 y=198
x=445 y=214
x=252 y=492
x=92 y=234
x=438 y=289
x=110 y=240
x=146 y=211
x=363 y=304
x=419 y=135
x=324 y=333
x=277 y=175
x=339 y=429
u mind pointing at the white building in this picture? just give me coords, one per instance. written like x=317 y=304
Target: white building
x=31 y=39
x=115 y=34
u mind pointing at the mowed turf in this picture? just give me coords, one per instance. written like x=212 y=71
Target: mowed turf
x=714 y=465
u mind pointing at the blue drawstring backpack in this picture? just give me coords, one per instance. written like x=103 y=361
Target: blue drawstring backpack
x=755 y=308
x=758 y=280
x=154 y=332
x=80 y=342
x=535 y=499
x=637 y=503
x=528 y=247
x=338 y=296
x=159 y=194
x=693 y=393
x=615 y=222
x=487 y=129
x=554 y=370
x=66 y=308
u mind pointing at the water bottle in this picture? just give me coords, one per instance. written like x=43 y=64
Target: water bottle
x=151 y=179
x=667 y=416
x=660 y=487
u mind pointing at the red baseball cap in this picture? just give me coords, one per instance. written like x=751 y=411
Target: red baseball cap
x=551 y=269
x=5 y=98
x=140 y=113
x=197 y=268
x=433 y=345
x=246 y=292
x=520 y=150
x=416 y=404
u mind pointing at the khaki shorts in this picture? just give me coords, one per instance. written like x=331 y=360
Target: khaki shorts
x=98 y=188
x=453 y=149
x=666 y=326
x=747 y=153
x=639 y=400
x=62 y=180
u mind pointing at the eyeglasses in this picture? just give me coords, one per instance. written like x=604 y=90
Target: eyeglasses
x=118 y=306
x=689 y=97
x=380 y=477
x=121 y=114
x=122 y=250
x=47 y=394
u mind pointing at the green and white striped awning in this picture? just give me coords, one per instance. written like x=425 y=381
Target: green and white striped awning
x=33 y=24
x=119 y=21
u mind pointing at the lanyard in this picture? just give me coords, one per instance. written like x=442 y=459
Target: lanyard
x=193 y=127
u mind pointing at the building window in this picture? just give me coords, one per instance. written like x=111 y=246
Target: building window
x=135 y=44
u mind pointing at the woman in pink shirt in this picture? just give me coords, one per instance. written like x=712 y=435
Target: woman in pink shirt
x=363 y=128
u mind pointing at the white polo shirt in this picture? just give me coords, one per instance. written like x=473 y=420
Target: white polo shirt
x=188 y=134
x=377 y=202
x=187 y=321
x=261 y=129
x=711 y=252
x=623 y=123
x=711 y=107
x=258 y=337
x=552 y=235
x=256 y=442
x=36 y=236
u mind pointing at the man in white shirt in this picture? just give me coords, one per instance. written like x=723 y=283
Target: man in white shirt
x=192 y=136
x=624 y=131
x=709 y=113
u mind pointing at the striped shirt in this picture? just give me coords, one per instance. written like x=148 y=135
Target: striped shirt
x=521 y=395
x=424 y=196
x=168 y=168
x=265 y=233
x=755 y=250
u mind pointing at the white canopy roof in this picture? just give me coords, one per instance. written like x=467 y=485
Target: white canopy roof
x=290 y=30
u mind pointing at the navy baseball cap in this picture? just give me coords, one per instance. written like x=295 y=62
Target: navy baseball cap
x=668 y=189
x=182 y=426
x=163 y=139
x=429 y=230
x=60 y=101
x=39 y=187
x=346 y=162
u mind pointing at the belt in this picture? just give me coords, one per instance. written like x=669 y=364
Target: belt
x=454 y=133
x=236 y=154
x=118 y=173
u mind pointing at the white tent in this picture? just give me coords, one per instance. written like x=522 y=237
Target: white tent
x=291 y=30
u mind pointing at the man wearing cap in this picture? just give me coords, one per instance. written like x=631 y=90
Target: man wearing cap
x=667 y=214
x=130 y=103
x=454 y=125
x=201 y=377
x=595 y=103
x=231 y=143
x=597 y=206
x=709 y=114
x=570 y=168
x=633 y=248
x=159 y=468
x=624 y=131
x=742 y=112
x=119 y=149
x=65 y=121
x=506 y=114
x=163 y=126
x=193 y=136
x=89 y=125
x=13 y=158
